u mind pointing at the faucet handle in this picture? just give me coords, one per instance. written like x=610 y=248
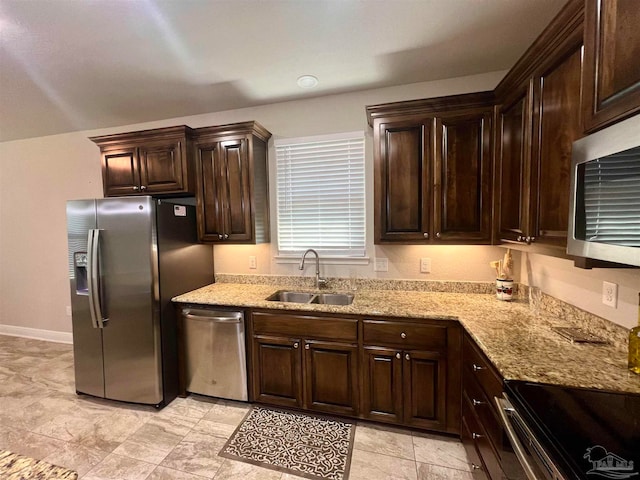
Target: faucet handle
x=322 y=282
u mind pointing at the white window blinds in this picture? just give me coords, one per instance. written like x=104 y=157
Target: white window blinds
x=321 y=195
x=612 y=199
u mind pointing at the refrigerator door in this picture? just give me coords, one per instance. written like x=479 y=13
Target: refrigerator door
x=129 y=300
x=87 y=339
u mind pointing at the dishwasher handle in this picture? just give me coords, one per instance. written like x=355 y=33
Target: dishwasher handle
x=213 y=316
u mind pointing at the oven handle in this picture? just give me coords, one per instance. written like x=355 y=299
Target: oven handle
x=504 y=409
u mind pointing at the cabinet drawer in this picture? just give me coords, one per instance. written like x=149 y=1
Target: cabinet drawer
x=483 y=407
x=490 y=462
x=305 y=326
x=404 y=335
x=477 y=468
x=476 y=364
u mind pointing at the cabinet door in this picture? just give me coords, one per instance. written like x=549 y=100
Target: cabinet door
x=557 y=126
x=120 y=173
x=277 y=371
x=424 y=377
x=331 y=377
x=612 y=70
x=513 y=161
x=238 y=210
x=462 y=197
x=402 y=180
x=382 y=385
x=210 y=193
x=161 y=167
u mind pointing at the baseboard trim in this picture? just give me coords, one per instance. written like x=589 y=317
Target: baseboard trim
x=36 y=333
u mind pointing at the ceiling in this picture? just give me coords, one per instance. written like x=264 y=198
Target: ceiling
x=68 y=65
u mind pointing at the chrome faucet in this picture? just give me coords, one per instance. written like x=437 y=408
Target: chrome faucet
x=320 y=282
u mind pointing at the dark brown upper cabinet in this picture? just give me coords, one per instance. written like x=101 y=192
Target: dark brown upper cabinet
x=432 y=170
x=232 y=183
x=612 y=69
x=149 y=162
x=538 y=118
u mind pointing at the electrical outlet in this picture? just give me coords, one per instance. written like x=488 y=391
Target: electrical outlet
x=610 y=294
x=253 y=263
x=425 y=265
x=68 y=311
x=381 y=264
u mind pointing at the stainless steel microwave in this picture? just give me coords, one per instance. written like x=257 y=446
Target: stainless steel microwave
x=604 y=215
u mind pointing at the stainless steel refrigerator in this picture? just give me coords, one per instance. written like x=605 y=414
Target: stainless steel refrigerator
x=128 y=257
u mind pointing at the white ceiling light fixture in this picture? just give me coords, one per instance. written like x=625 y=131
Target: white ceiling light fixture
x=307 y=81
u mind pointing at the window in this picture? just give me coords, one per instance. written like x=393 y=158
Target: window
x=320 y=182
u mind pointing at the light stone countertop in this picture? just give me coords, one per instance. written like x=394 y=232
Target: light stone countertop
x=520 y=343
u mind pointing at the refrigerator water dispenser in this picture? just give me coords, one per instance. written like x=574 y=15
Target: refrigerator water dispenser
x=80 y=266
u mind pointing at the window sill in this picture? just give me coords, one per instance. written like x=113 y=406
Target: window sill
x=325 y=260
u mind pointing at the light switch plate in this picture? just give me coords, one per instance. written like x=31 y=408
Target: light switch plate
x=425 y=265
x=253 y=263
x=610 y=294
x=68 y=311
x=381 y=264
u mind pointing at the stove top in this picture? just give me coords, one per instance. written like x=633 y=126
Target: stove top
x=590 y=434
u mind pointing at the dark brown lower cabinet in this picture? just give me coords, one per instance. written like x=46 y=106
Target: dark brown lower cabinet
x=405 y=387
x=411 y=373
x=482 y=432
x=331 y=364
x=301 y=371
x=331 y=377
x=277 y=371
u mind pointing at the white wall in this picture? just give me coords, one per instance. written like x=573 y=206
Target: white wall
x=38 y=175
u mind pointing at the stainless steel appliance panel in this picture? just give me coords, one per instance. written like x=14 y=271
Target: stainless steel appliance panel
x=87 y=340
x=129 y=298
x=215 y=353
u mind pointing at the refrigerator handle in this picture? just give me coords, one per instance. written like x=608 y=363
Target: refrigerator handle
x=91 y=273
x=95 y=288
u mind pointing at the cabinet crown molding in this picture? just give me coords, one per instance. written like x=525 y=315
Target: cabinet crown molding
x=433 y=105
x=242 y=128
x=143 y=136
x=562 y=34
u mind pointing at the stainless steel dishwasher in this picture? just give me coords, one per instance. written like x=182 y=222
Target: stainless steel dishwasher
x=215 y=354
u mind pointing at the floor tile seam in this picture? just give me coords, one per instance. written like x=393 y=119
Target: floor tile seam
x=444 y=466
x=220 y=467
x=175 y=470
x=118 y=455
x=418 y=463
x=385 y=455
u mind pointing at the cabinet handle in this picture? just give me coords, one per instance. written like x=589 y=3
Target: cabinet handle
x=476 y=436
x=306 y=346
x=426 y=235
x=403 y=335
x=219 y=236
x=296 y=345
x=135 y=189
x=398 y=355
x=532 y=239
x=477 y=402
x=226 y=235
x=475 y=467
x=438 y=235
x=520 y=238
x=407 y=357
x=143 y=187
x=477 y=367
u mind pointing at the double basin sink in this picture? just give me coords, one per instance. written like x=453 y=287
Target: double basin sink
x=307 y=297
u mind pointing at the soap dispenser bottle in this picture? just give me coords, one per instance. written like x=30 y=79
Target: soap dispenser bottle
x=634 y=345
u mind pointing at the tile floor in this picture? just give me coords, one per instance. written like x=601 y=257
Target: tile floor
x=42 y=417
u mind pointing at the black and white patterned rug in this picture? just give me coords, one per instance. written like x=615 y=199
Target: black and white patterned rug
x=304 y=445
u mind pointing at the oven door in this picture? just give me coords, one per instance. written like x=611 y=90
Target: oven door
x=534 y=460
